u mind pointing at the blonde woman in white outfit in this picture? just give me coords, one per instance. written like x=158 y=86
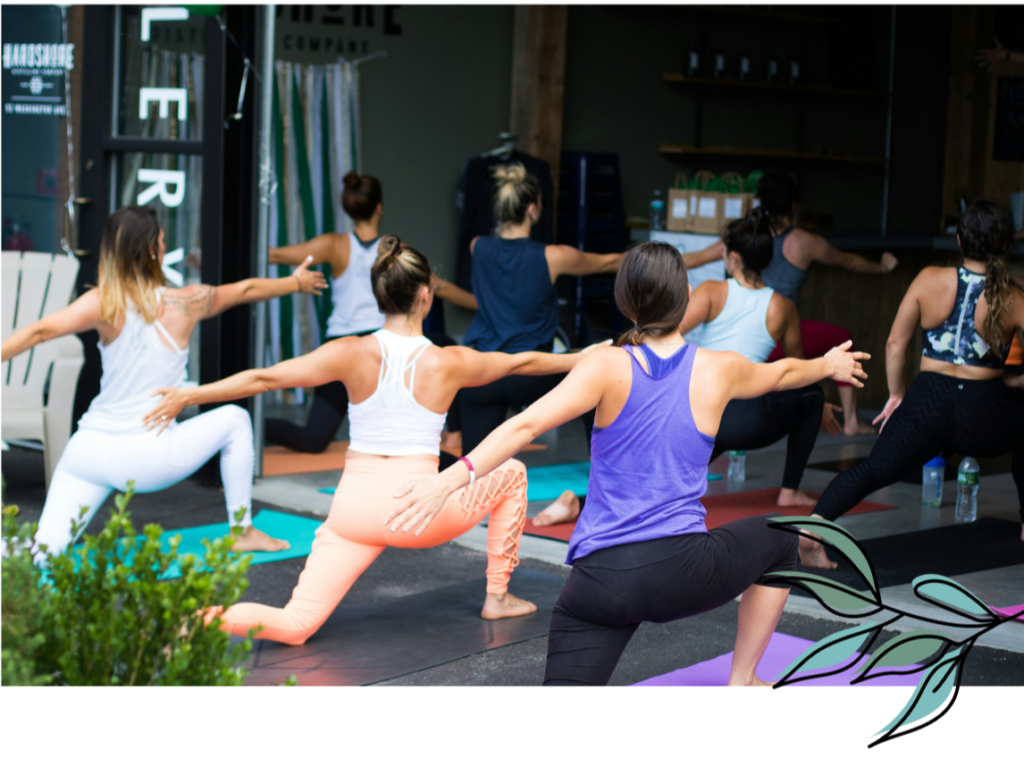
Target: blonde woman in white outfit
x=354 y=310
x=144 y=334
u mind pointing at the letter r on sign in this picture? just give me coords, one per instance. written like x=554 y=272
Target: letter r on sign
x=162 y=178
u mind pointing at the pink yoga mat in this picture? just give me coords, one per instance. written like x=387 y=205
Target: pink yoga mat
x=1009 y=611
x=782 y=651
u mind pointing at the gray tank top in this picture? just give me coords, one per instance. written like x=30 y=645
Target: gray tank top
x=781 y=275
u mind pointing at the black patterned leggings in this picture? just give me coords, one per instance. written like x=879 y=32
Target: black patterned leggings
x=939 y=415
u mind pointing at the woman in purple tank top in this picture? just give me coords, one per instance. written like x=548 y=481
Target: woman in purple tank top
x=641 y=551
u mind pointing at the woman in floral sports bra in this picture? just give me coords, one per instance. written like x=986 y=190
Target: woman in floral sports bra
x=959 y=403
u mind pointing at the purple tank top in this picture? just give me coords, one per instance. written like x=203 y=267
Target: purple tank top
x=648 y=468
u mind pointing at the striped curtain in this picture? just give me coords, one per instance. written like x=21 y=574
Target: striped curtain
x=316 y=141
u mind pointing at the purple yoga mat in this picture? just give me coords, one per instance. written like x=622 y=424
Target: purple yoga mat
x=1009 y=611
x=781 y=652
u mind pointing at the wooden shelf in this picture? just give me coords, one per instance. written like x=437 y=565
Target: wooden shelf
x=730 y=10
x=674 y=149
x=671 y=77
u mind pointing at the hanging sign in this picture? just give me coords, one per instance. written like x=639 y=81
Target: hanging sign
x=34 y=77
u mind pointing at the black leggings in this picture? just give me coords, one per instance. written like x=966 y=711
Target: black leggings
x=484 y=408
x=758 y=422
x=330 y=405
x=939 y=415
x=611 y=591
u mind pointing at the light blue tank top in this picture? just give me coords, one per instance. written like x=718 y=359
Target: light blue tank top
x=742 y=325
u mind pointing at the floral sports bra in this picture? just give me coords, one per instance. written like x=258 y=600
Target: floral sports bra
x=956 y=340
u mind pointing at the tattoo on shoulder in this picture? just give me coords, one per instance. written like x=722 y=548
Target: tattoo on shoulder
x=198 y=302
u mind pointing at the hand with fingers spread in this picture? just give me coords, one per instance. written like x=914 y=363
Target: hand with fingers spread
x=310 y=282
x=160 y=416
x=846 y=366
x=829 y=423
x=989 y=57
x=888 y=262
x=423 y=500
x=890 y=406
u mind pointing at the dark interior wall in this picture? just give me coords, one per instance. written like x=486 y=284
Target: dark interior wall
x=615 y=100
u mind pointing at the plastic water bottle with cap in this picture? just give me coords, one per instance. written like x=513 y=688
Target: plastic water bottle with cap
x=657 y=212
x=931 y=483
x=967 y=490
x=737 y=466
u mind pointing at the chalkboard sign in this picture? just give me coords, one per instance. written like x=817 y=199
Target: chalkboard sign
x=1009 y=138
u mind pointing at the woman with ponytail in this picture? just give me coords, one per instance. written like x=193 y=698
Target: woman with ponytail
x=744 y=315
x=399 y=387
x=354 y=310
x=959 y=402
x=514 y=284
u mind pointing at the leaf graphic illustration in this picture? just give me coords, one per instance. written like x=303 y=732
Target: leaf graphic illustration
x=906 y=648
x=841 y=541
x=952 y=596
x=833 y=595
x=836 y=649
x=940 y=682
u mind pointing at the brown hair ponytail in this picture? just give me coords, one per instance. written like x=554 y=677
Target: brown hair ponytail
x=361 y=195
x=397 y=275
x=651 y=291
x=129 y=269
x=986 y=232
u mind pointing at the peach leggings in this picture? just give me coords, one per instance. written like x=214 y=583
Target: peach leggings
x=354 y=535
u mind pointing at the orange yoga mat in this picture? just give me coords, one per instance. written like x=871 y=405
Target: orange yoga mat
x=279 y=460
x=722 y=509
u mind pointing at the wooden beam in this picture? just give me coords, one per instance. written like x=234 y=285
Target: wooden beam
x=538 y=83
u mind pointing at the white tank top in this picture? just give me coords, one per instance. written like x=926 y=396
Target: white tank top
x=743 y=324
x=134 y=365
x=353 y=307
x=390 y=422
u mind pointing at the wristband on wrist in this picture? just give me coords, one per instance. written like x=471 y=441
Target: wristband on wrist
x=297 y=282
x=469 y=465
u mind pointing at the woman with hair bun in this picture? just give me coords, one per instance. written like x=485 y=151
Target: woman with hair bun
x=959 y=402
x=354 y=310
x=514 y=284
x=144 y=333
x=744 y=315
x=400 y=386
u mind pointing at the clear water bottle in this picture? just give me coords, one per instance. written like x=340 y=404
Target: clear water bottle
x=657 y=212
x=932 y=475
x=967 y=491
x=737 y=466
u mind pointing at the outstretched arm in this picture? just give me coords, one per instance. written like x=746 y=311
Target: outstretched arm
x=824 y=252
x=477 y=368
x=330 y=248
x=576 y=394
x=81 y=316
x=565 y=259
x=453 y=293
x=326 y=364
x=749 y=380
x=709 y=255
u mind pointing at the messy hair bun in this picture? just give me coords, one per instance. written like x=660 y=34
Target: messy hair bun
x=361 y=196
x=751 y=238
x=397 y=275
x=514 y=191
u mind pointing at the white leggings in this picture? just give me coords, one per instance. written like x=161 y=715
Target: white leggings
x=96 y=463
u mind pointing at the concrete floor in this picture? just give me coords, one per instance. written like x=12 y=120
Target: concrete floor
x=997 y=660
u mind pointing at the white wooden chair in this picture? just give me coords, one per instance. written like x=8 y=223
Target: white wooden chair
x=39 y=385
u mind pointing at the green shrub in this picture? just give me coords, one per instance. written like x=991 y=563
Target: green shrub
x=100 y=614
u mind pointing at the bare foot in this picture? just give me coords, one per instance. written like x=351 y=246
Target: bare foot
x=506 y=605
x=857 y=427
x=565 y=509
x=812 y=554
x=257 y=540
x=754 y=681
x=790 y=497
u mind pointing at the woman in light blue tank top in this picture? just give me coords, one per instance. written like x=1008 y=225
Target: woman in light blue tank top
x=641 y=551
x=744 y=316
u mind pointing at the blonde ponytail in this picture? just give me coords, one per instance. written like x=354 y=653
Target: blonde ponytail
x=515 y=190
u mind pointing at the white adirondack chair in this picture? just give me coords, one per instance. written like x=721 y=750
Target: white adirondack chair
x=35 y=285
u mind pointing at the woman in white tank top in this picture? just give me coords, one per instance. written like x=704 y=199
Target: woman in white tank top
x=144 y=334
x=354 y=309
x=400 y=386
x=746 y=316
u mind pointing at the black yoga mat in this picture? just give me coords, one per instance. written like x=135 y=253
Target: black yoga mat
x=367 y=643
x=954 y=550
x=995 y=465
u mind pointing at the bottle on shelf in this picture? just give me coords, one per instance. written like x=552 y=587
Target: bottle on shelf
x=693 y=63
x=744 y=67
x=932 y=475
x=719 y=65
x=737 y=466
x=657 y=212
x=771 y=69
x=794 y=72
x=967 y=491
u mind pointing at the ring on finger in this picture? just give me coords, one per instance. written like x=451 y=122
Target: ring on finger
x=163 y=417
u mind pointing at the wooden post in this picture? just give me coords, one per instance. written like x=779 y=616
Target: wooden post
x=538 y=83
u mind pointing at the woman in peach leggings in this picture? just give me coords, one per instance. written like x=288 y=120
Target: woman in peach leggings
x=399 y=387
